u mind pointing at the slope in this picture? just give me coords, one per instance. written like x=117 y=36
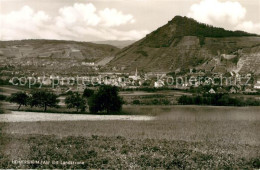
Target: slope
x=183 y=43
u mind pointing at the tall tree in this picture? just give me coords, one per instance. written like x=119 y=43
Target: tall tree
x=19 y=98
x=44 y=99
x=106 y=99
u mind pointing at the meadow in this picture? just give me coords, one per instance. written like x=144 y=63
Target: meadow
x=183 y=137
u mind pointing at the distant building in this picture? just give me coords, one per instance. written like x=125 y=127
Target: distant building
x=158 y=84
x=212 y=91
x=135 y=77
x=88 y=63
x=257 y=85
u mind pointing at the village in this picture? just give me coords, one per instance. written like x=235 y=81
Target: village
x=73 y=74
x=216 y=83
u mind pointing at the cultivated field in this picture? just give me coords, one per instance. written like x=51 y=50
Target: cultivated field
x=179 y=137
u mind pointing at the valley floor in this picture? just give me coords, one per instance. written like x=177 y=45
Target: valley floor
x=174 y=140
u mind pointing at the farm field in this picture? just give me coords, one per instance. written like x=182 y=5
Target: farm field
x=180 y=137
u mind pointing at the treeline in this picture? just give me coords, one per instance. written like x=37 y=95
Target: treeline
x=152 y=102
x=217 y=100
x=106 y=99
x=190 y=27
x=40 y=98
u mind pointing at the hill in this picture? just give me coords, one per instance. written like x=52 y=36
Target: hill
x=54 y=56
x=55 y=49
x=184 y=43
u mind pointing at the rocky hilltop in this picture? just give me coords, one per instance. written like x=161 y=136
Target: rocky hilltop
x=184 y=43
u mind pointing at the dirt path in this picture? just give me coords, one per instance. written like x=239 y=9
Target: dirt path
x=16 y=116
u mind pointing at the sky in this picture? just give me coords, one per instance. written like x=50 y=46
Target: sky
x=99 y=20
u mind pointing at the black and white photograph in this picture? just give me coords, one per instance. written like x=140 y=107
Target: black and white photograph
x=130 y=84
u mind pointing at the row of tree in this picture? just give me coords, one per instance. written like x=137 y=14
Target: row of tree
x=106 y=99
x=35 y=99
x=217 y=100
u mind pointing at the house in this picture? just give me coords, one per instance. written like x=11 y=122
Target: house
x=88 y=63
x=158 y=84
x=257 y=85
x=212 y=91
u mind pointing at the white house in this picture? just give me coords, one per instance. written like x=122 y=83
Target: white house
x=257 y=85
x=158 y=84
x=212 y=91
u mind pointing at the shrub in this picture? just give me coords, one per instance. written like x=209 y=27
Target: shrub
x=144 y=53
x=166 y=101
x=2 y=97
x=75 y=100
x=155 y=101
x=137 y=102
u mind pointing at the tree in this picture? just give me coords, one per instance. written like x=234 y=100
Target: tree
x=44 y=99
x=74 y=100
x=106 y=99
x=1 y=110
x=19 y=98
x=88 y=93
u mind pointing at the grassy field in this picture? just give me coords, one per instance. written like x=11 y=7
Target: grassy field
x=181 y=137
x=161 y=143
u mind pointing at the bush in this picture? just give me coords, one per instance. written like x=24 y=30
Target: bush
x=155 y=101
x=144 y=53
x=2 y=97
x=137 y=102
x=74 y=100
x=166 y=102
